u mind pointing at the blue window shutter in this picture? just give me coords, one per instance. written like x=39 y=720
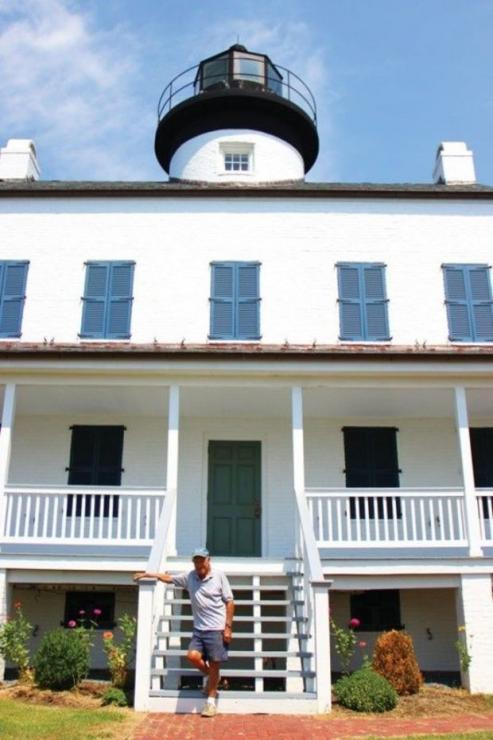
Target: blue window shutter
x=13 y=276
x=95 y=293
x=377 y=325
x=222 y=300
x=482 y=312
x=119 y=308
x=468 y=301
x=248 y=301
x=350 y=304
x=107 y=300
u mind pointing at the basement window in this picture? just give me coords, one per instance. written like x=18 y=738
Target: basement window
x=90 y=608
x=377 y=610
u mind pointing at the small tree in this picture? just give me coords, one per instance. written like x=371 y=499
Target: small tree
x=62 y=659
x=395 y=660
x=120 y=655
x=14 y=636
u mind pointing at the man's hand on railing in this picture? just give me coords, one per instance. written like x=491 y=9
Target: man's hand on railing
x=164 y=577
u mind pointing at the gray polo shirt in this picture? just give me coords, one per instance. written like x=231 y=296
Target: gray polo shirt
x=208 y=597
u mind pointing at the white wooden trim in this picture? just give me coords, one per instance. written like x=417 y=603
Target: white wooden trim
x=172 y=461
x=8 y=417
x=470 y=502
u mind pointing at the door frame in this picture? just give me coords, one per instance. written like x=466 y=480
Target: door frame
x=218 y=436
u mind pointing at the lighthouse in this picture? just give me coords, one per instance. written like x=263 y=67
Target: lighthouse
x=236 y=117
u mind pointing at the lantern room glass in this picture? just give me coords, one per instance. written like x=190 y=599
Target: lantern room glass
x=239 y=69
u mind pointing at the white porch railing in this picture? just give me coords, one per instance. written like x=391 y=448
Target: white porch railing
x=369 y=517
x=485 y=511
x=82 y=514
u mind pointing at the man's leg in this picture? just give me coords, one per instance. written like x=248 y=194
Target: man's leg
x=213 y=679
x=198 y=662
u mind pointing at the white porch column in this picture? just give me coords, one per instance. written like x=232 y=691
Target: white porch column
x=8 y=415
x=475 y=613
x=5 y=608
x=470 y=501
x=172 y=460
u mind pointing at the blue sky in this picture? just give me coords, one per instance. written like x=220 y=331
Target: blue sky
x=392 y=78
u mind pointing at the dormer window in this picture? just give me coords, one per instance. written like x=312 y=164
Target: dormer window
x=237 y=158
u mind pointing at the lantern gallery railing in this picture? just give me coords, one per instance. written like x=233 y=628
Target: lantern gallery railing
x=81 y=514
x=388 y=517
x=273 y=79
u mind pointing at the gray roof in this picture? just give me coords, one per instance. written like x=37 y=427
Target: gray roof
x=297 y=189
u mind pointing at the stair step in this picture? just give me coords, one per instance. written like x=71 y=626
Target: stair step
x=225 y=695
x=240 y=602
x=239 y=654
x=189 y=617
x=239 y=672
x=241 y=635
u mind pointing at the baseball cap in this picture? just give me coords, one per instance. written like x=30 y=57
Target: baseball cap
x=200 y=552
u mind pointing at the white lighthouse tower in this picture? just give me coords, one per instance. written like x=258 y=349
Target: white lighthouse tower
x=237 y=117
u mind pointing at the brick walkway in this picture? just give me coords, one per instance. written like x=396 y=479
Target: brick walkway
x=282 y=727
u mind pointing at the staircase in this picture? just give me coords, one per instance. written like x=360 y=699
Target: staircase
x=270 y=666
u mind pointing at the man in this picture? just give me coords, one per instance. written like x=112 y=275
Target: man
x=213 y=610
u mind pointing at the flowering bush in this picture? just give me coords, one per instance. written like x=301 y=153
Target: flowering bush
x=345 y=641
x=14 y=635
x=120 y=655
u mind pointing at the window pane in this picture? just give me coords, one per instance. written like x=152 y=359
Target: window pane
x=215 y=73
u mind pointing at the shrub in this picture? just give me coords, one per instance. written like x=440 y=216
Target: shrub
x=114 y=696
x=345 y=641
x=14 y=635
x=394 y=658
x=119 y=655
x=365 y=691
x=62 y=659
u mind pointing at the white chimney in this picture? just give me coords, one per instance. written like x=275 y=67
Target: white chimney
x=454 y=164
x=18 y=160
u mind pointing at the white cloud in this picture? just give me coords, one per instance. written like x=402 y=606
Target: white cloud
x=69 y=85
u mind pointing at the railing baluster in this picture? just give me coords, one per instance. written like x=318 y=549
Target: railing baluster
x=138 y=522
x=148 y=517
x=450 y=520
x=120 y=517
x=366 y=506
x=111 y=513
x=46 y=514
x=422 y=519
x=19 y=505
x=431 y=514
x=10 y=513
x=405 y=513
x=101 y=516
x=440 y=522
x=385 y=517
x=92 y=506
x=330 y=514
x=357 y=519
x=27 y=520
x=339 y=519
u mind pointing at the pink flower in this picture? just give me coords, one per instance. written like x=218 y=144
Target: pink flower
x=72 y=623
x=354 y=622
x=362 y=644
x=97 y=612
x=82 y=612
x=18 y=605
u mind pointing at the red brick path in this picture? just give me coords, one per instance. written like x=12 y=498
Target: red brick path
x=282 y=727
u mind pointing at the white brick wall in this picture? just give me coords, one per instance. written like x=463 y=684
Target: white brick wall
x=475 y=609
x=298 y=243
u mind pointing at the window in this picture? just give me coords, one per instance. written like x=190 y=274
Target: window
x=86 y=607
x=13 y=276
x=235 y=300
x=362 y=302
x=236 y=162
x=95 y=460
x=377 y=610
x=469 y=304
x=237 y=157
x=107 y=300
x=482 y=461
x=371 y=462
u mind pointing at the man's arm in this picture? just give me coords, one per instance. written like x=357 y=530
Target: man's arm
x=164 y=577
x=228 y=627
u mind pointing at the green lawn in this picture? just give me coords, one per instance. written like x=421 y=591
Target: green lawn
x=19 y=721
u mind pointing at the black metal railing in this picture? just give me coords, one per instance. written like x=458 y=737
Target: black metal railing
x=190 y=83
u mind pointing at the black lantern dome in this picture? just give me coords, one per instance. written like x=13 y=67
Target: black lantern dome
x=237 y=89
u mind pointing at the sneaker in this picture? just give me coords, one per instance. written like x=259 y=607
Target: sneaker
x=209 y=710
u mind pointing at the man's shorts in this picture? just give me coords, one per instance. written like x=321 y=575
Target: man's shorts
x=210 y=644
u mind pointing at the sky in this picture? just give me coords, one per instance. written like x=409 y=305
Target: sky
x=392 y=78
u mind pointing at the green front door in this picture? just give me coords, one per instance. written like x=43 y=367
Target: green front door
x=233 y=498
